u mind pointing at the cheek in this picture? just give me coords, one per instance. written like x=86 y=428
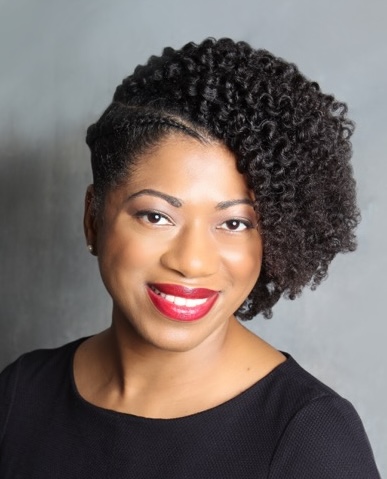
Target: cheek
x=126 y=257
x=244 y=262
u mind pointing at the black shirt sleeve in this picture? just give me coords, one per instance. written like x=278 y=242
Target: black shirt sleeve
x=8 y=380
x=324 y=440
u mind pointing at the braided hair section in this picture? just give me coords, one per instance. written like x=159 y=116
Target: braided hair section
x=119 y=138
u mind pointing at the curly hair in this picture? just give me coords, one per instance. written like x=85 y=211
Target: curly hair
x=290 y=140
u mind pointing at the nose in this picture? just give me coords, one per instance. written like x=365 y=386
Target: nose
x=193 y=253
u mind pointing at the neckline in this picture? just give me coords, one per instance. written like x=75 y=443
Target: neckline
x=242 y=396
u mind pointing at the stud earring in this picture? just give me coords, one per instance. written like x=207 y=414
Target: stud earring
x=90 y=248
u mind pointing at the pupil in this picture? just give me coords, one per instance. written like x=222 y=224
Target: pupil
x=154 y=218
x=233 y=224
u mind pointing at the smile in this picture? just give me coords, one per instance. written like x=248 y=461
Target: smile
x=180 y=303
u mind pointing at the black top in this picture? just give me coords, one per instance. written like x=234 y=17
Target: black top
x=288 y=425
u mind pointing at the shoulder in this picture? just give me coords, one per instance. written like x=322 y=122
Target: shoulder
x=32 y=374
x=322 y=436
x=37 y=363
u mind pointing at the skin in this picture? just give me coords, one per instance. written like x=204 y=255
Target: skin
x=198 y=236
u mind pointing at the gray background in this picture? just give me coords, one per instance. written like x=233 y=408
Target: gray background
x=60 y=62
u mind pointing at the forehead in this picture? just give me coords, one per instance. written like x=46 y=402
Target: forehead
x=183 y=166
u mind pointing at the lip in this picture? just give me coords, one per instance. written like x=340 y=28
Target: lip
x=184 y=291
x=181 y=312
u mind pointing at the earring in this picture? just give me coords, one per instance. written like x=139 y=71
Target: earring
x=90 y=248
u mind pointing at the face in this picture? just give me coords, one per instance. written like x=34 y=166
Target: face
x=178 y=244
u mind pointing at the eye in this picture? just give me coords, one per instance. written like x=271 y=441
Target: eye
x=153 y=217
x=235 y=225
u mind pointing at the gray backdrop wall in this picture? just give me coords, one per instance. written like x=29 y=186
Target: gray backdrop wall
x=60 y=62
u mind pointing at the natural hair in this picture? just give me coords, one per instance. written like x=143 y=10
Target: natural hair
x=290 y=140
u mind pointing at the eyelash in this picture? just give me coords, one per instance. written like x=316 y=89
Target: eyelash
x=247 y=224
x=143 y=213
x=147 y=213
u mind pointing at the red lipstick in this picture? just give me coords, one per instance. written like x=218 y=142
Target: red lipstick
x=181 y=303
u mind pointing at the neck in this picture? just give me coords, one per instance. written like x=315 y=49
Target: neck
x=140 y=364
x=118 y=370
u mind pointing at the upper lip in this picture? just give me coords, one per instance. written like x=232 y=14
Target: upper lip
x=184 y=291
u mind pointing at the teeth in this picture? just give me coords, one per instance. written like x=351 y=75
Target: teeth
x=180 y=301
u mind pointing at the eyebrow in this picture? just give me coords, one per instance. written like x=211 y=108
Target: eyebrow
x=227 y=204
x=169 y=199
x=178 y=203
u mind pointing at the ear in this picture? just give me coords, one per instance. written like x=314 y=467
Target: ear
x=90 y=220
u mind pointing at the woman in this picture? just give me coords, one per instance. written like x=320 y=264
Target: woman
x=221 y=183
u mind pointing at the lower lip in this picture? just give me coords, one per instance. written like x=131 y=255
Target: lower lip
x=181 y=313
